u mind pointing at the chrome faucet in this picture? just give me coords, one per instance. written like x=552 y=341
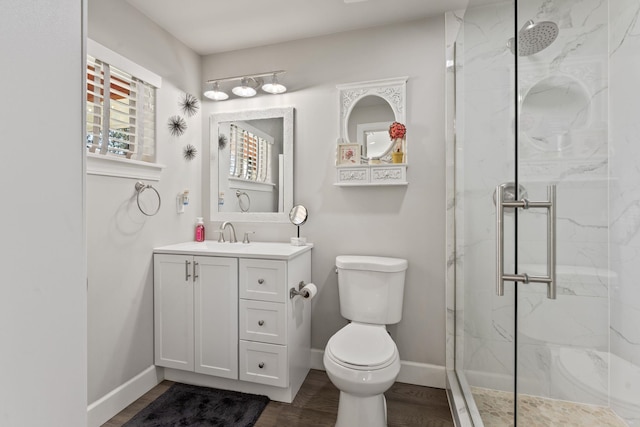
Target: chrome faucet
x=232 y=233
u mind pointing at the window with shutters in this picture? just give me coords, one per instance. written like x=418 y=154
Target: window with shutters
x=120 y=113
x=250 y=154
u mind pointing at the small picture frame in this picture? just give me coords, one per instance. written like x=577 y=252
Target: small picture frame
x=349 y=154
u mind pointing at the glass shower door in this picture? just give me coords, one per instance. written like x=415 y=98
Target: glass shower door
x=484 y=155
x=562 y=162
x=546 y=346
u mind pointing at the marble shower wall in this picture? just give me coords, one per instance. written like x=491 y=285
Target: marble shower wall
x=624 y=205
x=484 y=156
x=580 y=130
x=563 y=140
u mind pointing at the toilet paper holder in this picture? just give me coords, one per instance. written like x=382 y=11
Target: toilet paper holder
x=300 y=291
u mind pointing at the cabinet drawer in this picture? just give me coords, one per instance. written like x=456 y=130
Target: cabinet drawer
x=263 y=280
x=262 y=321
x=352 y=175
x=263 y=363
x=388 y=174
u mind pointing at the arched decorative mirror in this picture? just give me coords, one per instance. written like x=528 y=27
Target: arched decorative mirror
x=366 y=154
x=367 y=109
x=251 y=165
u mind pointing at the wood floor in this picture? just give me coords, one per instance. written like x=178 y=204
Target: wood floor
x=316 y=405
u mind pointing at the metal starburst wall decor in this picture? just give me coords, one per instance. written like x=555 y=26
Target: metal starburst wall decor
x=189 y=152
x=189 y=104
x=177 y=125
x=222 y=141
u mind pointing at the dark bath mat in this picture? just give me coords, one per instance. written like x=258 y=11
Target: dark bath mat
x=193 y=406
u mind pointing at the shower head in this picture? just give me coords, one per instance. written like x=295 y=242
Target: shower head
x=534 y=37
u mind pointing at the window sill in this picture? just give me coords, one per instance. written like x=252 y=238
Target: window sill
x=98 y=164
x=243 y=184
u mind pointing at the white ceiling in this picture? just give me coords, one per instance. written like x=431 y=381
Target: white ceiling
x=212 y=26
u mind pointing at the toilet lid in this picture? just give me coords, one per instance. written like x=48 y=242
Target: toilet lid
x=362 y=346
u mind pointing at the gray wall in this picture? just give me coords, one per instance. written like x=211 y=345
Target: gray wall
x=405 y=222
x=42 y=267
x=120 y=238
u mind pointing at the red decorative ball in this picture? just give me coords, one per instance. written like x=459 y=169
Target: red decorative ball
x=397 y=130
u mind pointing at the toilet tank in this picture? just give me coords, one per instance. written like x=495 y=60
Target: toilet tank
x=371 y=288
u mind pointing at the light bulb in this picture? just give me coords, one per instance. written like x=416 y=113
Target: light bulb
x=244 y=90
x=215 y=93
x=274 y=87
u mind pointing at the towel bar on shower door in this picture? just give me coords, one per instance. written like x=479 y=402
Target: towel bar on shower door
x=550 y=206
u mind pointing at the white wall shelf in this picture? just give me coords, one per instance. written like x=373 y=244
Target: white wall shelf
x=391 y=92
x=360 y=175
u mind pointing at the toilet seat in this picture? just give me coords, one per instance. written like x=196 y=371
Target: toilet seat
x=362 y=347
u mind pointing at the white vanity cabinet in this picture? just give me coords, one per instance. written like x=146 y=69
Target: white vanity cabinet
x=196 y=306
x=225 y=319
x=263 y=321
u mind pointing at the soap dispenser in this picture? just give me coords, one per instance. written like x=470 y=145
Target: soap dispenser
x=199 y=230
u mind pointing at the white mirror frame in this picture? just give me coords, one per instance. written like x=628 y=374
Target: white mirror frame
x=286 y=114
x=394 y=91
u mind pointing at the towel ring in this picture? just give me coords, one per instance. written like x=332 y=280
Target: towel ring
x=140 y=187
x=238 y=195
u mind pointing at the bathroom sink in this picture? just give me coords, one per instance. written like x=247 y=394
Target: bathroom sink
x=242 y=250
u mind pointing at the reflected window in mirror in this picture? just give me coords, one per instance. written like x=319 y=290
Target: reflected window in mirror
x=250 y=160
x=251 y=165
x=250 y=153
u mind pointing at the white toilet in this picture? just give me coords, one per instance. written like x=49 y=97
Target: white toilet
x=361 y=359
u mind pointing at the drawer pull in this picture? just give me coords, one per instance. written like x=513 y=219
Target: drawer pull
x=261 y=365
x=260 y=281
x=260 y=322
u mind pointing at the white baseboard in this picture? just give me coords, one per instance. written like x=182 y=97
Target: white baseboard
x=423 y=374
x=116 y=400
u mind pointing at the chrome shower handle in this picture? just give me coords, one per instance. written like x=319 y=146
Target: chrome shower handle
x=499 y=196
x=550 y=205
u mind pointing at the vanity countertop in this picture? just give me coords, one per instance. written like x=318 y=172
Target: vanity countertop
x=271 y=250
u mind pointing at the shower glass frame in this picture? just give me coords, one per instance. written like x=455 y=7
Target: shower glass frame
x=509 y=348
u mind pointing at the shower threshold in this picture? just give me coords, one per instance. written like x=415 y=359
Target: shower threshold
x=496 y=409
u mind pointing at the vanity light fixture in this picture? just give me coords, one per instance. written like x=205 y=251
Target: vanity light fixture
x=274 y=87
x=246 y=87
x=215 y=93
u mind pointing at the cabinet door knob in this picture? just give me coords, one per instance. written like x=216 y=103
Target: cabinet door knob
x=261 y=365
x=261 y=281
x=260 y=322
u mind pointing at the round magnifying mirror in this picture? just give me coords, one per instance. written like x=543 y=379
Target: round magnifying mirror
x=298 y=215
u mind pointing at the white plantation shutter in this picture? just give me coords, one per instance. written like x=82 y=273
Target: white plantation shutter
x=121 y=119
x=249 y=155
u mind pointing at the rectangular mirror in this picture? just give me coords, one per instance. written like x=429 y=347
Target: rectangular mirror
x=251 y=165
